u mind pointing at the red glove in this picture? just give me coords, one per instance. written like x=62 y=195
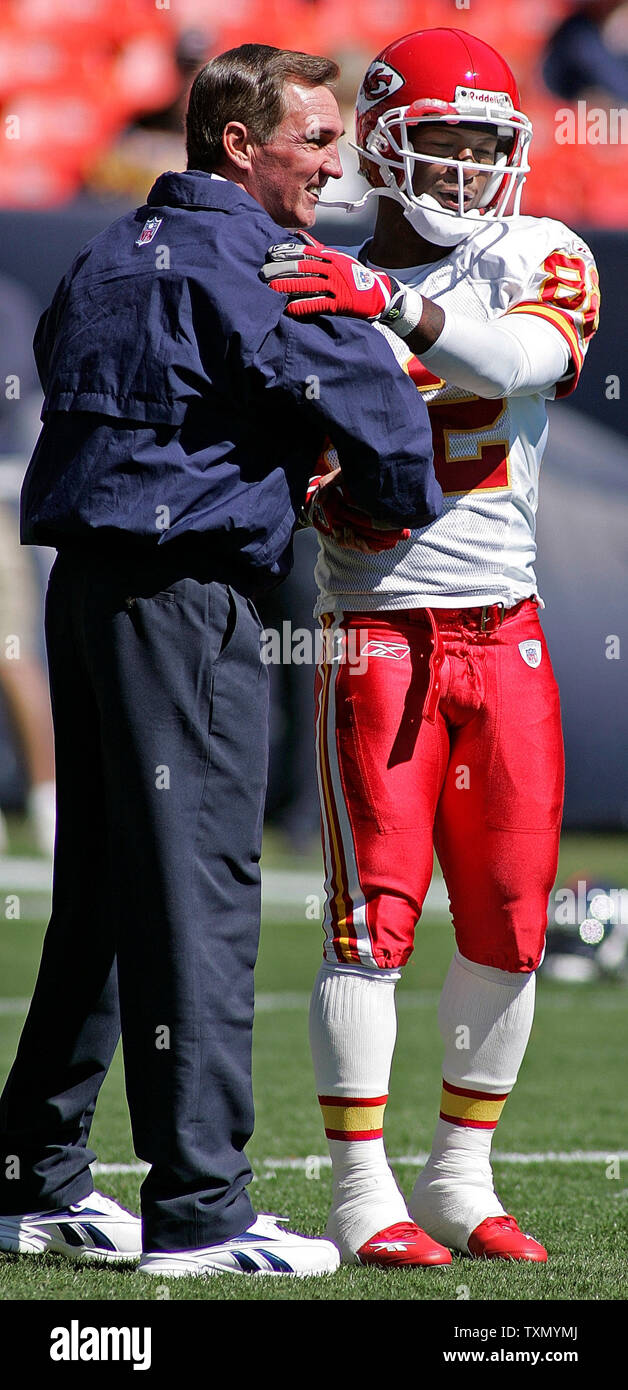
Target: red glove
x=330 y=511
x=319 y=280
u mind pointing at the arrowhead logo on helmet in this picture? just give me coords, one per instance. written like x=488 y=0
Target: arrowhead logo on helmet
x=380 y=81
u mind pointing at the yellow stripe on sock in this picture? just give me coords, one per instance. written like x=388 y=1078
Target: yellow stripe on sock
x=471 y=1108
x=357 y=1119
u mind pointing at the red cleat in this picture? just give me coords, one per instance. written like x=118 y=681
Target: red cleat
x=499 y=1238
x=402 y=1246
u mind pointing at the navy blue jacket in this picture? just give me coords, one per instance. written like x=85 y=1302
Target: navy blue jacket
x=184 y=409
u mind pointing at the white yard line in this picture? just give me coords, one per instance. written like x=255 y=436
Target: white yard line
x=288 y=1001
x=418 y=1160
x=267 y=1167
x=293 y=890
x=284 y=890
x=20 y=873
x=281 y=1001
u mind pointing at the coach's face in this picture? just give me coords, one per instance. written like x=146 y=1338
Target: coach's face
x=288 y=175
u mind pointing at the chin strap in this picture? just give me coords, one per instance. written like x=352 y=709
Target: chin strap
x=409 y=208
x=354 y=207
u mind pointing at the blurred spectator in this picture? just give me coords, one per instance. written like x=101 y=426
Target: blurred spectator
x=578 y=57
x=155 y=141
x=73 y=73
x=194 y=48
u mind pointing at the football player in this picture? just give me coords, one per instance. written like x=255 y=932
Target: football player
x=451 y=738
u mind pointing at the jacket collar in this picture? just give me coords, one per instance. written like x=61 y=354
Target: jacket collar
x=196 y=189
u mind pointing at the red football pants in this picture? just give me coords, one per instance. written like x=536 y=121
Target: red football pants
x=432 y=733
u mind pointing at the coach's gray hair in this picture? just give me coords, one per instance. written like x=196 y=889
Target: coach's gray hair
x=246 y=84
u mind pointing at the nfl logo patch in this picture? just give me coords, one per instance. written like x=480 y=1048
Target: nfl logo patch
x=531 y=653
x=363 y=277
x=149 y=230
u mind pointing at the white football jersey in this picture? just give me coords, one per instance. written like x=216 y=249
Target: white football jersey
x=487 y=452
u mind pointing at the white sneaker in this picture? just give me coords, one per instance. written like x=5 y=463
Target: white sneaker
x=96 y=1228
x=262 y=1249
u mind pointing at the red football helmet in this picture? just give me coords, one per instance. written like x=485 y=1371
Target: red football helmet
x=450 y=77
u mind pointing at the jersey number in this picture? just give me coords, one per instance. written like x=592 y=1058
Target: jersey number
x=463 y=462
x=571 y=283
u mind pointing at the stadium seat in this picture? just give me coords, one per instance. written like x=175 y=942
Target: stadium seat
x=35 y=181
x=143 y=75
x=76 y=73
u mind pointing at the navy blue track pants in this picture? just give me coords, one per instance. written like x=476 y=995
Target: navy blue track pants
x=160 y=714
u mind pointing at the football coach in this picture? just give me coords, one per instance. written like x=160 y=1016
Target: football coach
x=184 y=413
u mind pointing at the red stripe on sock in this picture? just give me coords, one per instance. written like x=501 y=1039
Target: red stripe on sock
x=349 y=1101
x=468 y=1124
x=475 y=1095
x=349 y=1134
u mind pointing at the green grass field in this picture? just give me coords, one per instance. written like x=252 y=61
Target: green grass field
x=571 y=1097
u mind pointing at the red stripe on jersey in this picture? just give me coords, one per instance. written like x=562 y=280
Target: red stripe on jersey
x=565 y=325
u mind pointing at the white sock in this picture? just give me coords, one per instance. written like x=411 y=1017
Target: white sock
x=485 y=1017
x=353 y=1028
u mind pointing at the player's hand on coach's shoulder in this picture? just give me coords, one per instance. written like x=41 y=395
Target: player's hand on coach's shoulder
x=329 y=509
x=320 y=280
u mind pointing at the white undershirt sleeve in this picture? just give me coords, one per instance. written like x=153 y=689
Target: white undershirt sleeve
x=519 y=355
